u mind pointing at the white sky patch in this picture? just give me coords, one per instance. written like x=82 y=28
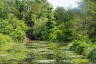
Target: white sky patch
x=64 y=3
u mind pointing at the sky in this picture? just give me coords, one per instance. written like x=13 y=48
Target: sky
x=64 y=3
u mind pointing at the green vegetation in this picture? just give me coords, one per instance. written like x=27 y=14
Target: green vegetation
x=84 y=47
x=24 y=20
x=10 y=50
x=13 y=27
x=54 y=53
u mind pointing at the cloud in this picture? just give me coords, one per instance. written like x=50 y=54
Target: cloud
x=64 y=3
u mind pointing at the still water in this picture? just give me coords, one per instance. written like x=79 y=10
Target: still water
x=52 y=53
x=41 y=52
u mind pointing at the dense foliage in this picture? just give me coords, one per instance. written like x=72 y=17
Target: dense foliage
x=13 y=27
x=23 y=20
x=85 y=47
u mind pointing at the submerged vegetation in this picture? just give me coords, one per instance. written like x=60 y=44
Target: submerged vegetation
x=72 y=32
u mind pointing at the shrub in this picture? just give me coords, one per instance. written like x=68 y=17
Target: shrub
x=6 y=42
x=92 y=55
x=56 y=35
x=13 y=27
x=9 y=50
x=80 y=46
x=3 y=12
x=84 y=47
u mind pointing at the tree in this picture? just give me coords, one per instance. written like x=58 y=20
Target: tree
x=88 y=7
x=62 y=30
x=42 y=18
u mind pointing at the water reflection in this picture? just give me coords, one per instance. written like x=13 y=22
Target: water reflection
x=49 y=53
x=52 y=53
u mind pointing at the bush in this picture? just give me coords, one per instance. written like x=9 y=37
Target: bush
x=61 y=34
x=84 y=47
x=3 y=12
x=42 y=28
x=13 y=27
x=56 y=35
x=80 y=46
x=9 y=50
x=6 y=42
x=92 y=55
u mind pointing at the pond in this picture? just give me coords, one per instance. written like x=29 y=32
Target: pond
x=52 y=53
x=41 y=52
